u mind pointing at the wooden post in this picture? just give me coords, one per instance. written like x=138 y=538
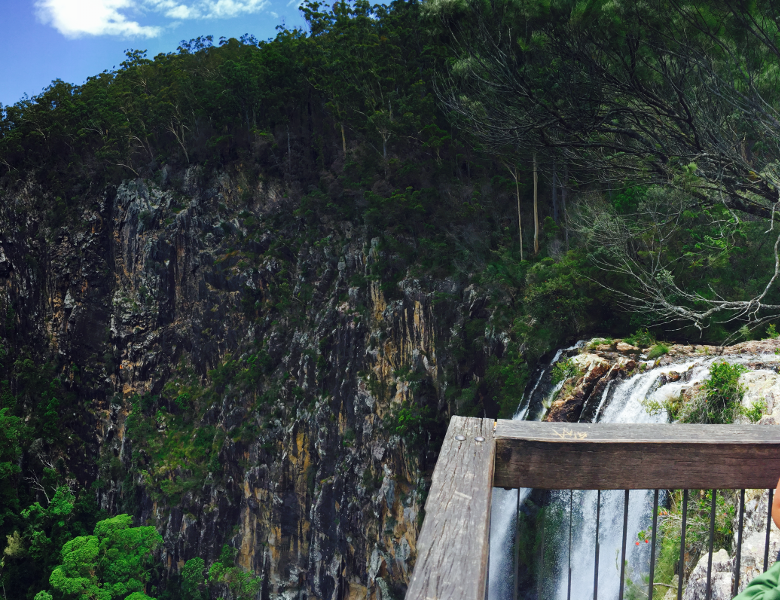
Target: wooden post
x=453 y=545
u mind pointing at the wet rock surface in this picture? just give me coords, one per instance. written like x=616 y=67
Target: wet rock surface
x=601 y=363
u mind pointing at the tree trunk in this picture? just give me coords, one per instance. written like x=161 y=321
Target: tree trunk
x=519 y=215
x=513 y=171
x=536 y=210
x=343 y=141
x=289 y=152
x=555 y=191
x=563 y=204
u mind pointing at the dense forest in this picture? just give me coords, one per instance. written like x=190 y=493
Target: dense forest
x=501 y=177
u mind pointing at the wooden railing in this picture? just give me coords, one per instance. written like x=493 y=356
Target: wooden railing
x=478 y=454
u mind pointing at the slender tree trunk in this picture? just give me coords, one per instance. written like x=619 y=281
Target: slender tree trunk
x=519 y=217
x=536 y=210
x=563 y=204
x=555 y=191
x=515 y=175
x=343 y=141
x=289 y=154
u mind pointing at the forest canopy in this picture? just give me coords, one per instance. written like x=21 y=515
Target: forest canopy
x=676 y=94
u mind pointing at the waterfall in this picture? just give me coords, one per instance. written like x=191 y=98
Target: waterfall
x=620 y=402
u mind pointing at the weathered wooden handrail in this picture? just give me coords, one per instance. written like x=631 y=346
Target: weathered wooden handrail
x=596 y=456
x=453 y=546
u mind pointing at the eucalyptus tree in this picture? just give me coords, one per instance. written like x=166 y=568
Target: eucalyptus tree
x=665 y=92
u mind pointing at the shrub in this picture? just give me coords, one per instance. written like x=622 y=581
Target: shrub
x=756 y=411
x=658 y=350
x=641 y=338
x=718 y=401
x=771 y=332
x=596 y=342
x=563 y=370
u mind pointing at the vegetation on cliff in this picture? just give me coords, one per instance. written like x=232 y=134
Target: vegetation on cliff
x=275 y=231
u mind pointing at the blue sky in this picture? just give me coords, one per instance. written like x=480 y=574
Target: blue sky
x=43 y=40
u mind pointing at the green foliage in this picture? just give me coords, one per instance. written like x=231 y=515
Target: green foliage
x=628 y=199
x=771 y=332
x=719 y=400
x=641 y=338
x=596 y=342
x=697 y=529
x=242 y=585
x=193 y=579
x=563 y=370
x=657 y=351
x=756 y=411
x=507 y=379
x=111 y=564
x=409 y=420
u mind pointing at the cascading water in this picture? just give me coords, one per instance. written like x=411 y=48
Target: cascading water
x=504 y=504
x=619 y=402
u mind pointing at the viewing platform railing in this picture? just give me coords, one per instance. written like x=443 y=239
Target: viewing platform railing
x=478 y=454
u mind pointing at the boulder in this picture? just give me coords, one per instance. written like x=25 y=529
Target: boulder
x=754 y=536
x=568 y=407
x=762 y=385
x=627 y=348
x=720 y=580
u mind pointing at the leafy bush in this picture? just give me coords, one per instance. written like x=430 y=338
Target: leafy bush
x=771 y=332
x=596 y=342
x=641 y=338
x=697 y=530
x=563 y=370
x=658 y=350
x=112 y=563
x=718 y=401
x=409 y=421
x=756 y=411
x=242 y=585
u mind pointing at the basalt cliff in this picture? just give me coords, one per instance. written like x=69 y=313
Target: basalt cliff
x=237 y=376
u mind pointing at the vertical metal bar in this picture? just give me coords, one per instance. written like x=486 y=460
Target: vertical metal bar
x=652 y=545
x=596 y=568
x=517 y=547
x=623 y=552
x=735 y=591
x=540 y=583
x=571 y=518
x=708 y=592
x=768 y=529
x=682 y=545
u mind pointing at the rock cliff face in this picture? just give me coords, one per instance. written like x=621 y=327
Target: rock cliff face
x=310 y=476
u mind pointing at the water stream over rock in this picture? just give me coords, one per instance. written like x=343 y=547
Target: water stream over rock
x=610 y=389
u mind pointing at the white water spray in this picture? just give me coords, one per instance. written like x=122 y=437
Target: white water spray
x=622 y=405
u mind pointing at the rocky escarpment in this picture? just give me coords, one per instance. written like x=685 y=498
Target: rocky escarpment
x=308 y=470
x=597 y=364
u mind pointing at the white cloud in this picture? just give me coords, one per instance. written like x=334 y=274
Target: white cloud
x=77 y=18
x=210 y=9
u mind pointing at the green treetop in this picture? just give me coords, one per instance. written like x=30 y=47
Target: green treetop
x=112 y=564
